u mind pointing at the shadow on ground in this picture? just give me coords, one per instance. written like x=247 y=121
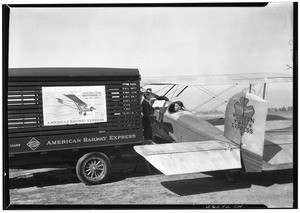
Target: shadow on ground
x=121 y=169
x=218 y=182
x=41 y=179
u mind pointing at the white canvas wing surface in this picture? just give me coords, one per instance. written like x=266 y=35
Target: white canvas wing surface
x=278 y=150
x=191 y=157
x=270 y=125
x=206 y=80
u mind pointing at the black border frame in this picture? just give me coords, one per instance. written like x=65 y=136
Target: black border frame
x=5 y=51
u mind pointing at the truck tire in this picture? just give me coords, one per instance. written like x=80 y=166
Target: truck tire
x=93 y=168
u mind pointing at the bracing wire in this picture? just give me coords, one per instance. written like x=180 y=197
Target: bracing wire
x=210 y=93
x=157 y=91
x=214 y=96
x=175 y=90
x=260 y=89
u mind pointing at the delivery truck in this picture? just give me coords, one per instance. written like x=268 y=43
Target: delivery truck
x=76 y=117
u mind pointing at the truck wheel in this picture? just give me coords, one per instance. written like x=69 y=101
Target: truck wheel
x=93 y=168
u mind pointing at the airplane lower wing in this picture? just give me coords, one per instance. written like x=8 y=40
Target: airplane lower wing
x=191 y=157
x=278 y=150
x=274 y=122
x=270 y=125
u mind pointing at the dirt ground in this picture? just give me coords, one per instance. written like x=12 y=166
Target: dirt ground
x=131 y=186
x=130 y=183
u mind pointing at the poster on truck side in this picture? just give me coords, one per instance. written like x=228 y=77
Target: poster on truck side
x=69 y=105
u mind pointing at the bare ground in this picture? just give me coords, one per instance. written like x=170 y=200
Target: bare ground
x=130 y=183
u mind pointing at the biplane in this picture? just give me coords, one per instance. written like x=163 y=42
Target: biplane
x=81 y=106
x=185 y=143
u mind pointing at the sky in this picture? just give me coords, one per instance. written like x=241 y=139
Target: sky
x=159 y=41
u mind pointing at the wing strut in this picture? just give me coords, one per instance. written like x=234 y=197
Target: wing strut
x=264 y=92
x=181 y=91
x=169 y=90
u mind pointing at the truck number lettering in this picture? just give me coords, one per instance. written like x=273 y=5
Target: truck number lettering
x=15 y=145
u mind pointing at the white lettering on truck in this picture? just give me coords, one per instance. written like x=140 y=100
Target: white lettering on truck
x=118 y=137
x=60 y=142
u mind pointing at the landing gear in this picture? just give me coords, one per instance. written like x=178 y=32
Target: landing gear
x=93 y=168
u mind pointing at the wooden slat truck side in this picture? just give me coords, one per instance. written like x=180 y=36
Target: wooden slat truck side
x=75 y=116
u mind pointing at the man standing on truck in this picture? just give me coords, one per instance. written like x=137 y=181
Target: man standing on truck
x=148 y=112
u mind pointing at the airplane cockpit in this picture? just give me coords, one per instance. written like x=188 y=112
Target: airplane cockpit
x=164 y=106
x=176 y=107
x=160 y=107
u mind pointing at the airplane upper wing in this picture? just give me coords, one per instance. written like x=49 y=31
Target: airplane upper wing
x=206 y=80
x=191 y=157
x=75 y=99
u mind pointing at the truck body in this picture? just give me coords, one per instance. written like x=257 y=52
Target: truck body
x=69 y=115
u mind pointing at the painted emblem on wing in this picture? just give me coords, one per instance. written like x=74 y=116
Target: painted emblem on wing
x=243 y=116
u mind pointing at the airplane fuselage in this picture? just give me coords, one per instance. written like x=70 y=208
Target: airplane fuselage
x=187 y=127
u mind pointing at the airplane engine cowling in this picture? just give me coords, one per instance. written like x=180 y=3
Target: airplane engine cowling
x=245 y=123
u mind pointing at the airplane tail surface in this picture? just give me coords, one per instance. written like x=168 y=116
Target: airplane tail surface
x=245 y=123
